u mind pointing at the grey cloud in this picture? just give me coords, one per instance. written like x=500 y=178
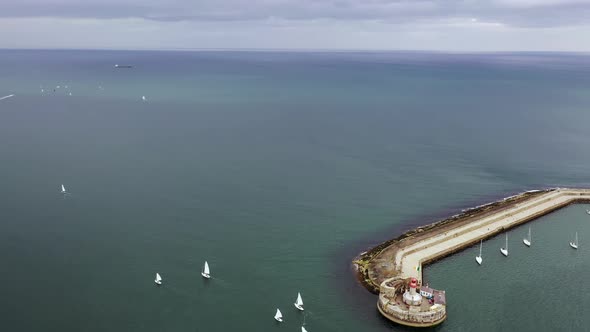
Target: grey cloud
x=534 y=13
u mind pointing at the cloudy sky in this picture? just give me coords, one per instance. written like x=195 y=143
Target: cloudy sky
x=443 y=25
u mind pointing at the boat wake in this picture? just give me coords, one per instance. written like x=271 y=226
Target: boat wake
x=220 y=282
x=6 y=97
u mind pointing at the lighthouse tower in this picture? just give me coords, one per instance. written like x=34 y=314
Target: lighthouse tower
x=411 y=296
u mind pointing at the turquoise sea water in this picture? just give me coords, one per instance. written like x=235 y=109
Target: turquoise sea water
x=278 y=168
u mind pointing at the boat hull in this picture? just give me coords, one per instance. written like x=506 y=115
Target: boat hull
x=573 y=245
x=158 y=282
x=280 y=320
x=479 y=260
x=205 y=275
x=526 y=242
x=300 y=308
x=504 y=252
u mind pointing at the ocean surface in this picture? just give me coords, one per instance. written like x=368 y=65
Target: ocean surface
x=278 y=169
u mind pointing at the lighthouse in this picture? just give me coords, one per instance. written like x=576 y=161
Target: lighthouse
x=411 y=296
x=400 y=300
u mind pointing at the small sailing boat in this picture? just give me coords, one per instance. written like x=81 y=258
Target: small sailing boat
x=299 y=302
x=588 y=211
x=158 y=280
x=478 y=259
x=527 y=242
x=504 y=250
x=279 y=316
x=143 y=98
x=63 y=189
x=575 y=243
x=205 y=273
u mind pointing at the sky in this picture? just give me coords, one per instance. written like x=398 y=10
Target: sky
x=433 y=25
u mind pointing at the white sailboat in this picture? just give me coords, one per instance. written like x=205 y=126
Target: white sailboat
x=143 y=98
x=299 y=302
x=504 y=250
x=527 y=241
x=158 y=280
x=205 y=273
x=478 y=259
x=279 y=316
x=588 y=211
x=63 y=189
x=575 y=243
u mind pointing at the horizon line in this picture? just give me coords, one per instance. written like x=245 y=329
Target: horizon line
x=292 y=50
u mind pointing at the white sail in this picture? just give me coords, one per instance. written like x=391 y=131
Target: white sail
x=205 y=272
x=299 y=302
x=504 y=250
x=527 y=241
x=506 y=241
x=279 y=316
x=63 y=189
x=303 y=329
x=478 y=259
x=143 y=98
x=575 y=243
x=158 y=278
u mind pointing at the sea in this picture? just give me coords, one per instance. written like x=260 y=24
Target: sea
x=279 y=168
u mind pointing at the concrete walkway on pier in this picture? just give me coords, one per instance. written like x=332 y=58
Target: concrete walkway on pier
x=407 y=259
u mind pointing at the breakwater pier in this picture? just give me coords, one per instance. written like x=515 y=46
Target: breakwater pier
x=389 y=268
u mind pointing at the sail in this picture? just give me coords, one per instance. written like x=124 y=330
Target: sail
x=278 y=314
x=480 y=245
x=299 y=301
x=158 y=278
x=206 y=268
x=63 y=189
x=303 y=329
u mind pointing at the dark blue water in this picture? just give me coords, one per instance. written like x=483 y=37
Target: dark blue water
x=275 y=167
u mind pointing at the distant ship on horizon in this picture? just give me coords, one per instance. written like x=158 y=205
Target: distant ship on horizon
x=123 y=66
